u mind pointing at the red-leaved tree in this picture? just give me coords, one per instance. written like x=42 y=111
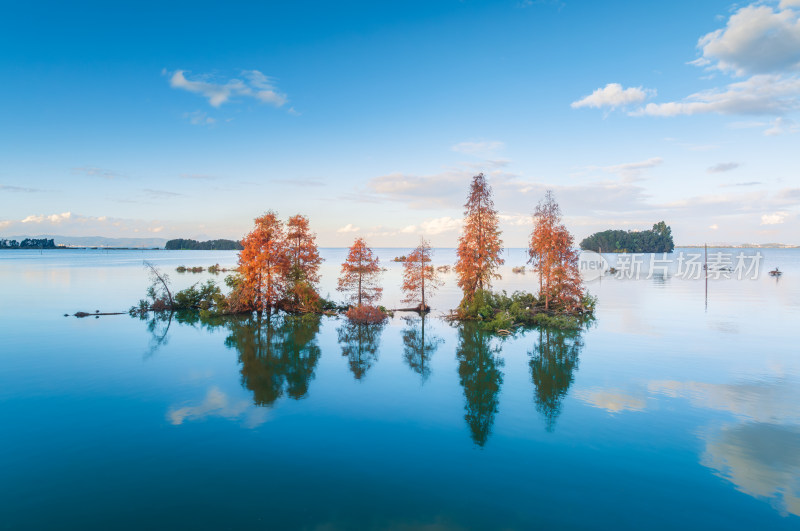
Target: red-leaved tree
x=479 y=246
x=264 y=262
x=419 y=275
x=304 y=262
x=361 y=275
x=553 y=256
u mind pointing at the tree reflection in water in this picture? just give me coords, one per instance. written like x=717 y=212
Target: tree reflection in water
x=479 y=371
x=278 y=354
x=553 y=360
x=360 y=344
x=417 y=349
x=158 y=324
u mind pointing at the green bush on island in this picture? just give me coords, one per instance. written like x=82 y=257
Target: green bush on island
x=656 y=240
x=496 y=312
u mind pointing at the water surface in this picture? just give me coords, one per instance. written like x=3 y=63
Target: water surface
x=677 y=408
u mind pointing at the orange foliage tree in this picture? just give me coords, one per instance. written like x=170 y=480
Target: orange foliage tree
x=264 y=263
x=479 y=246
x=553 y=256
x=419 y=274
x=361 y=275
x=304 y=262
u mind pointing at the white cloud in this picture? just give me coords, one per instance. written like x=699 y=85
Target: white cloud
x=52 y=218
x=781 y=126
x=10 y=188
x=723 y=167
x=478 y=148
x=613 y=96
x=633 y=169
x=773 y=219
x=254 y=85
x=199 y=118
x=440 y=225
x=756 y=40
x=5 y=224
x=92 y=171
x=264 y=90
x=348 y=228
x=713 y=227
x=759 y=41
x=517 y=220
x=761 y=94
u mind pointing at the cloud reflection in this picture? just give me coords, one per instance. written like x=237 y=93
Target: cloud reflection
x=217 y=404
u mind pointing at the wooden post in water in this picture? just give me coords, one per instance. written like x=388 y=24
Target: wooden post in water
x=705 y=268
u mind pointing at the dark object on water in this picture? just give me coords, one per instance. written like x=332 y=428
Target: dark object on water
x=96 y=314
x=419 y=309
x=612 y=270
x=775 y=272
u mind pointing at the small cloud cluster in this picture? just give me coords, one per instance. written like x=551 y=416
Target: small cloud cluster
x=69 y=223
x=348 y=228
x=773 y=219
x=199 y=118
x=613 y=96
x=723 y=167
x=253 y=84
x=52 y=218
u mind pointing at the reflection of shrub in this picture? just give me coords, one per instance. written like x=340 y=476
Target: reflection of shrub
x=519 y=270
x=366 y=314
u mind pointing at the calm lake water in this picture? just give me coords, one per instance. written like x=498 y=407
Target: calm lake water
x=678 y=408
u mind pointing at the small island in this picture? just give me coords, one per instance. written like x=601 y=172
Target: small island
x=28 y=243
x=181 y=244
x=656 y=240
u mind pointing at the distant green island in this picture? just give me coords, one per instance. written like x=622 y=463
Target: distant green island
x=210 y=245
x=28 y=243
x=656 y=240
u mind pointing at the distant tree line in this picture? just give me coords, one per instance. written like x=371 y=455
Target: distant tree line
x=28 y=243
x=210 y=245
x=657 y=240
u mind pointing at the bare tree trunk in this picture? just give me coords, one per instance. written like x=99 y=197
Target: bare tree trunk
x=162 y=278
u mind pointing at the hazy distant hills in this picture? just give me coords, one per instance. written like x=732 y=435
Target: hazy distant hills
x=97 y=241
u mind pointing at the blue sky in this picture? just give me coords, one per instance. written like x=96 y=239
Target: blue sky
x=370 y=117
